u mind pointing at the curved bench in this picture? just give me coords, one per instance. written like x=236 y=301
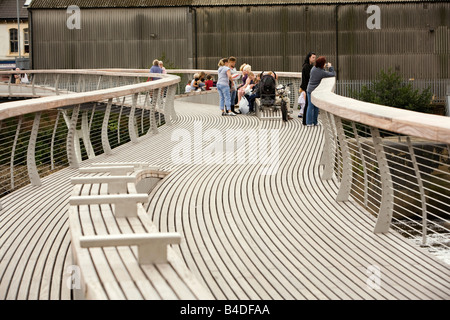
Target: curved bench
x=119 y=252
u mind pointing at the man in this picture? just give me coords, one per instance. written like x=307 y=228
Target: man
x=235 y=75
x=306 y=70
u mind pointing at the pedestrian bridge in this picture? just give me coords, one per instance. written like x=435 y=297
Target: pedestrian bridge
x=106 y=170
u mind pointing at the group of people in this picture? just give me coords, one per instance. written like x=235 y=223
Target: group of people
x=201 y=82
x=229 y=92
x=20 y=78
x=313 y=71
x=157 y=67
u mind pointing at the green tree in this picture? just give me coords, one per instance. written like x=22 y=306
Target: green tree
x=391 y=90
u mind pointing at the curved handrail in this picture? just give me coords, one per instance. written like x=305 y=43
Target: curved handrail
x=394 y=162
x=192 y=71
x=422 y=125
x=127 y=101
x=95 y=72
x=17 y=108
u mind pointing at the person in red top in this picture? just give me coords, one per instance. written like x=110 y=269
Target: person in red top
x=209 y=82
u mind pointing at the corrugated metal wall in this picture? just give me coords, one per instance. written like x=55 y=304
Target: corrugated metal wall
x=414 y=38
x=267 y=37
x=279 y=37
x=118 y=38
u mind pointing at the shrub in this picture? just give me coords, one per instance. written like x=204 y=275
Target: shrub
x=391 y=90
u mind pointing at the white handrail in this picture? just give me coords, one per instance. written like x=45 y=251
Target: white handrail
x=422 y=125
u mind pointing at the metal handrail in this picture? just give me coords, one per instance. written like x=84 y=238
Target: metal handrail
x=400 y=172
x=139 y=100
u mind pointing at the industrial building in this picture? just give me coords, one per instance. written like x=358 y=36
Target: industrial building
x=359 y=37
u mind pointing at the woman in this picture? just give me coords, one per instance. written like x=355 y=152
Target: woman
x=161 y=66
x=306 y=69
x=224 y=77
x=155 y=69
x=246 y=69
x=317 y=74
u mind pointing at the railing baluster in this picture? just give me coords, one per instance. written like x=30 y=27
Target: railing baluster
x=99 y=82
x=387 y=195
x=57 y=84
x=71 y=137
x=13 y=151
x=131 y=120
x=10 y=83
x=363 y=162
x=118 y=120
x=346 y=181
x=85 y=129
x=153 y=126
x=33 y=87
x=327 y=158
x=169 y=109
x=31 y=152
x=52 y=161
x=105 y=141
x=92 y=115
x=421 y=190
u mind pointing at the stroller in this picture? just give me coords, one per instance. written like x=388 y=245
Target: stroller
x=268 y=92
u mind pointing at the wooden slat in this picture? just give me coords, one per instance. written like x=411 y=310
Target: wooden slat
x=245 y=235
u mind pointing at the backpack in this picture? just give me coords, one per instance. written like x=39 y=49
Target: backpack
x=267 y=88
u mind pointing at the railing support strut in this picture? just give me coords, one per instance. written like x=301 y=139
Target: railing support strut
x=387 y=195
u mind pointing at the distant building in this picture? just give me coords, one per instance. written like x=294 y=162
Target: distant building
x=9 y=33
x=409 y=36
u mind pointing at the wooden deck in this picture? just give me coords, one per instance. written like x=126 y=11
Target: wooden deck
x=246 y=235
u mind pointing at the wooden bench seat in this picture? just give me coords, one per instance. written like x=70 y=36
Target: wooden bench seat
x=124 y=256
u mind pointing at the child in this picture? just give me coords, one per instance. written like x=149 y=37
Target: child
x=188 y=87
x=301 y=101
x=195 y=84
x=209 y=82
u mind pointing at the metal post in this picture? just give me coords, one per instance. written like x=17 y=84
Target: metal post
x=131 y=120
x=13 y=151
x=363 y=162
x=33 y=88
x=421 y=190
x=99 y=81
x=56 y=85
x=105 y=142
x=387 y=195
x=169 y=109
x=52 y=162
x=85 y=131
x=31 y=152
x=327 y=158
x=346 y=181
x=118 y=120
x=71 y=135
x=153 y=125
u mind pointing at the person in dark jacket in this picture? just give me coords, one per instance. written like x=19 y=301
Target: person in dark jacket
x=306 y=69
x=317 y=74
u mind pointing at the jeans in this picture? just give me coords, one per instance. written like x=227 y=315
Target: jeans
x=312 y=112
x=224 y=94
x=251 y=101
x=233 y=97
